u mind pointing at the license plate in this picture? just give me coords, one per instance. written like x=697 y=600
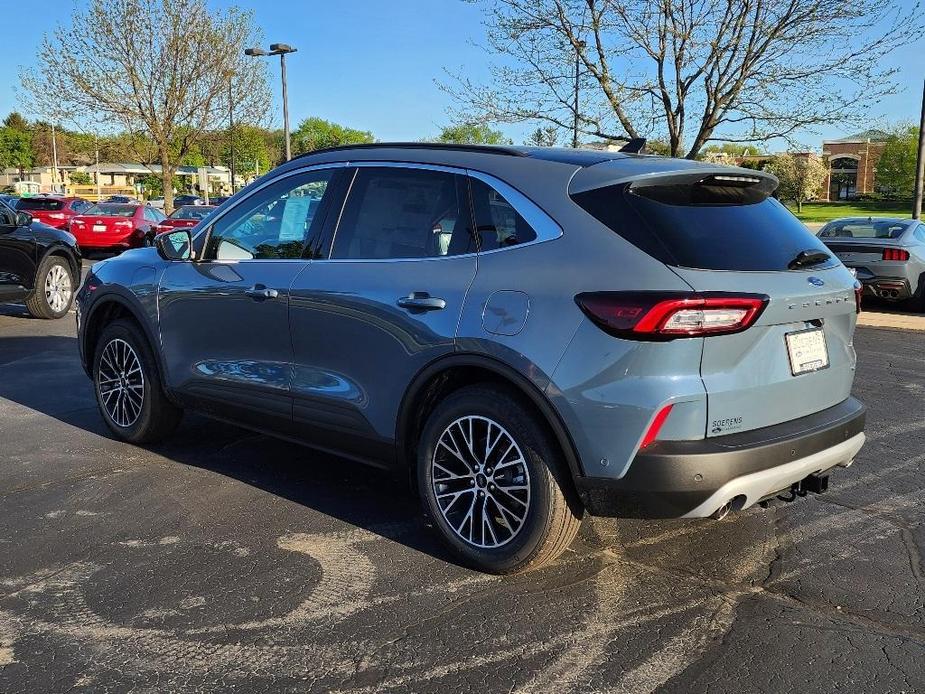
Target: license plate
x=807 y=351
x=99 y=227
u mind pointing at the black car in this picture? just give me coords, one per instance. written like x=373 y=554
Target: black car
x=39 y=264
x=182 y=200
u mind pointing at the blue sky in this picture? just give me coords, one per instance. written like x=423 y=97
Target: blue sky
x=371 y=64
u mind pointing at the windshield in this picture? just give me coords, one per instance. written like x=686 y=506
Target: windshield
x=864 y=229
x=109 y=209
x=46 y=204
x=192 y=212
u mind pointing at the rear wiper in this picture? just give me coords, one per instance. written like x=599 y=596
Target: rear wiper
x=807 y=258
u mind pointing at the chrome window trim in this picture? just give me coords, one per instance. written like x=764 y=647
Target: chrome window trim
x=207 y=229
x=545 y=227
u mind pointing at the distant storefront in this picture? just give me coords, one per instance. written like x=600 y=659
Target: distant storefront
x=852 y=165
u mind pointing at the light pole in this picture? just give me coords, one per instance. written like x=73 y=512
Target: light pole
x=231 y=129
x=280 y=49
x=920 y=166
x=579 y=46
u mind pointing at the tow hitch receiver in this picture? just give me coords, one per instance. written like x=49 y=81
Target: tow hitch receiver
x=816 y=484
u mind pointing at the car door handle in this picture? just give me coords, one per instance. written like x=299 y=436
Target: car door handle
x=261 y=293
x=421 y=301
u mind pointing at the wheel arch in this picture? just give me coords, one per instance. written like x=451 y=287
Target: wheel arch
x=448 y=374
x=112 y=306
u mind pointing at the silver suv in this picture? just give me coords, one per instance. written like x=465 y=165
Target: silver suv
x=528 y=334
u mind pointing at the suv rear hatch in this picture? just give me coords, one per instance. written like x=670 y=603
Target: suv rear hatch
x=718 y=229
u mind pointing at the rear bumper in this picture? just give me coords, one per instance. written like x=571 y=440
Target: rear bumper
x=692 y=479
x=895 y=288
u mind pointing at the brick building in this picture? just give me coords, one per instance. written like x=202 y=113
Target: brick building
x=852 y=165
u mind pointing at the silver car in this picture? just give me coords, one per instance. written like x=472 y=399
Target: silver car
x=526 y=334
x=887 y=253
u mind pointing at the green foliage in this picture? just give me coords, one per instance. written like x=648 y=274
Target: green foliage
x=472 y=134
x=896 y=168
x=81 y=178
x=316 y=133
x=16 y=148
x=735 y=149
x=253 y=151
x=543 y=137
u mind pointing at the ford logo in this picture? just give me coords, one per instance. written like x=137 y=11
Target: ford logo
x=815 y=281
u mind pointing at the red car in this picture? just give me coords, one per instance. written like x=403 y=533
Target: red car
x=184 y=217
x=116 y=226
x=54 y=211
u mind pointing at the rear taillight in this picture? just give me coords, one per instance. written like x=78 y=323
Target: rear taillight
x=858 y=293
x=895 y=254
x=655 y=426
x=664 y=315
x=56 y=215
x=122 y=223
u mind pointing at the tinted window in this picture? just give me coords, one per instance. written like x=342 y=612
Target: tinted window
x=79 y=206
x=750 y=237
x=864 y=229
x=192 y=212
x=403 y=213
x=920 y=233
x=39 y=204
x=111 y=209
x=274 y=223
x=497 y=222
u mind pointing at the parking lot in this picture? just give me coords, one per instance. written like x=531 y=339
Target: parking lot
x=225 y=559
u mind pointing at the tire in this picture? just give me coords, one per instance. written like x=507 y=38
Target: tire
x=54 y=290
x=525 y=520
x=135 y=409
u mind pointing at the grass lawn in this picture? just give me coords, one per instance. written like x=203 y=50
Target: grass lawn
x=825 y=211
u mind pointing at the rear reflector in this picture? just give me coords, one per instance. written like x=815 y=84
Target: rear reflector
x=664 y=316
x=858 y=294
x=656 y=426
x=895 y=254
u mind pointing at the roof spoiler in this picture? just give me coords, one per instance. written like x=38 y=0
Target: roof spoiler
x=636 y=145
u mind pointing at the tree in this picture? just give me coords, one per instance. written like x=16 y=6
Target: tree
x=317 y=133
x=471 y=133
x=16 y=145
x=157 y=68
x=800 y=175
x=543 y=137
x=689 y=72
x=896 y=167
x=81 y=178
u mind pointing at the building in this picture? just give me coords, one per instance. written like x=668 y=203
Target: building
x=852 y=165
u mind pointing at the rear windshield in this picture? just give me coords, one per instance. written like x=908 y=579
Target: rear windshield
x=864 y=229
x=760 y=236
x=111 y=209
x=39 y=204
x=192 y=212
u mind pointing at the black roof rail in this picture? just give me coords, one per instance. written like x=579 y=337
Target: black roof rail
x=634 y=146
x=484 y=149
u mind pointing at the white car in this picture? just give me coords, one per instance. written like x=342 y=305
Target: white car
x=156 y=202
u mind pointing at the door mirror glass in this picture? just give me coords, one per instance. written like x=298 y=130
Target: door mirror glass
x=174 y=245
x=23 y=219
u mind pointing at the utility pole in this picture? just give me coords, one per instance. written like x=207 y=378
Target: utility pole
x=231 y=131
x=54 y=158
x=920 y=167
x=579 y=46
x=280 y=49
x=96 y=141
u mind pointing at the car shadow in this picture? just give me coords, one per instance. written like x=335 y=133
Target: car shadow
x=43 y=373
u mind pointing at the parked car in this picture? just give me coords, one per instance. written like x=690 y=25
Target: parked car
x=181 y=200
x=39 y=265
x=9 y=200
x=887 y=254
x=54 y=211
x=157 y=202
x=184 y=217
x=124 y=199
x=116 y=226
x=530 y=334
x=219 y=200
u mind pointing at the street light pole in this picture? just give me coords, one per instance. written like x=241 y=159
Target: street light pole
x=231 y=130
x=920 y=168
x=579 y=46
x=280 y=49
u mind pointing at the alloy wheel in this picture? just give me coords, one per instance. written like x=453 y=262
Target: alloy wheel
x=58 y=288
x=121 y=382
x=481 y=481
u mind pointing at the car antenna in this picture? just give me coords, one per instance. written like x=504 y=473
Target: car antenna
x=635 y=146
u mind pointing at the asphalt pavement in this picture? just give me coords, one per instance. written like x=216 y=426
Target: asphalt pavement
x=227 y=560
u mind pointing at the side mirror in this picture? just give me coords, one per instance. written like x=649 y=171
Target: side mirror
x=174 y=245
x=23 y=219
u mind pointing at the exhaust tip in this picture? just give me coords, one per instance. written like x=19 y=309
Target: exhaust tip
x=722 y=511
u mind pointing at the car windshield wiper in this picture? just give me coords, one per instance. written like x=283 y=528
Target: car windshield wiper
x=807 y=258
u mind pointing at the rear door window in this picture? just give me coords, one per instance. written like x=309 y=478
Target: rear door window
x=758 y=236
x=42 y=204
x=396 y=212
